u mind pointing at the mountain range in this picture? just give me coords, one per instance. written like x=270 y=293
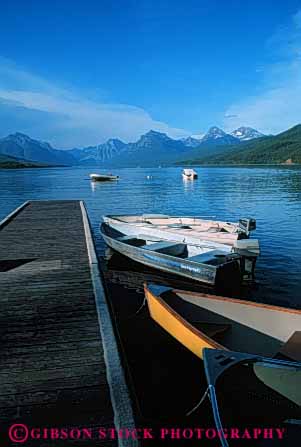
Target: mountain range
x=284 y=148
x=151 y=149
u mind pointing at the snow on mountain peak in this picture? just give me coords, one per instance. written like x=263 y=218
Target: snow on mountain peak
x=215 y=135
x=215 y=132
x=246 y=133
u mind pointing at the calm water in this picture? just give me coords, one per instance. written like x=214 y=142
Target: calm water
x=166 y=379
x=271 y=195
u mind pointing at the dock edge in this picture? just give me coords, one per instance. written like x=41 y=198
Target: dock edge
x=13 y=214
x=121 y=402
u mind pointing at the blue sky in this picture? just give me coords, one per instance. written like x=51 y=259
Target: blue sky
x=76 y=73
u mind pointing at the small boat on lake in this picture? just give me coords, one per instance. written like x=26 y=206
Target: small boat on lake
x=199 y=321
x=250 y=391
x=183 y=228
x=103 y=177
x=201 y=263
x=189 y=174
x=194 y=231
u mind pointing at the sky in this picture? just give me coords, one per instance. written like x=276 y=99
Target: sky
x=76 y=73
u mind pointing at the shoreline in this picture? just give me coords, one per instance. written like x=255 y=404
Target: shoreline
x=270 y=165
x=239 y=164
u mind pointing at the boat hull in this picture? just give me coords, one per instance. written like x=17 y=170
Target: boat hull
x=204 y=273
x=103 y=178
x=189 y=177
x=178 y=327
x=189 y=174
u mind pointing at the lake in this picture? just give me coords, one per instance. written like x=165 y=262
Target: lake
x=271 y=195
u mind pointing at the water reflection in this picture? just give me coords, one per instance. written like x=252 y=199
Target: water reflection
x=121 y=270
x=188 y=184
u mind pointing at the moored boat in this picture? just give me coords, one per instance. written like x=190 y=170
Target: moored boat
x=201 y=263
x=199 y=321
x=189 y=174
x=193 y=231
x=252 y=392
x=188 y=229
x=103 y=177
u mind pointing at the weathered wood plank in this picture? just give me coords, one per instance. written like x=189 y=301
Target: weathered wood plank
x=52 y=365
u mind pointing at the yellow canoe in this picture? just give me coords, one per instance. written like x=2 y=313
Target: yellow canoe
x=199 y=320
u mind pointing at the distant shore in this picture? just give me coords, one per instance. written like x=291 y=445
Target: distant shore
x=10 y=165
x=233 y=165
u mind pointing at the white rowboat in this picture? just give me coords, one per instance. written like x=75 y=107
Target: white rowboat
x=190 y=229
x=189 y=174
x=103 y=177
x=225 y=236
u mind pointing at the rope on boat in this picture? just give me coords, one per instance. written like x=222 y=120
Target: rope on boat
x=199 y=403
x=135 y=313
x=141 y=307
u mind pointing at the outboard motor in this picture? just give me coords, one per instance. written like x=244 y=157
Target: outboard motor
x=247 y=225
x=249 y=250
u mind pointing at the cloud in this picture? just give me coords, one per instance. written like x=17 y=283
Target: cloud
x=277 y=106
x=229 y=116
x=31 y=104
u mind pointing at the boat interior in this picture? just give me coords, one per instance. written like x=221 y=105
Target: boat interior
x=236 y=331
x=199 y=255
x=184 y=223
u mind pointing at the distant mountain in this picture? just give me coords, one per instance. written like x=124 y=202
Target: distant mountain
x=283 y=148
x=21 y=146
x=152 y=148
x=100 y=154
x=191 y=141
x=214 y=141
x=246 y=133
x=216 y=136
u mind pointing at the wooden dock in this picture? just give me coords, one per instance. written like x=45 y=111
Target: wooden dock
x=60 y=365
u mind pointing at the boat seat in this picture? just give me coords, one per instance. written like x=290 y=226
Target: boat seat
x=166 y=247
x=208 y=256
x=155 y=216
x=148 y=237
x=291 y=349
x=179 y=225
x=125 y=238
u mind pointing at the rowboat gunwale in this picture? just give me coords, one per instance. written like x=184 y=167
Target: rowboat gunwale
x=165 y=216
x=201 y=295
x=211 y=342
